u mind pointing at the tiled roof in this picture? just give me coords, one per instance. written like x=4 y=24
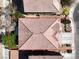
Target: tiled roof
x=39 y=33
x=37 y=41
x=41 y=6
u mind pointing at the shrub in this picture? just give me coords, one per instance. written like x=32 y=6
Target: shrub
x=66 y=11
x=17 y=14
x=65 y=22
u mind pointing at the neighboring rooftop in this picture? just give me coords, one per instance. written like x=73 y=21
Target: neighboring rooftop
x=42 y=6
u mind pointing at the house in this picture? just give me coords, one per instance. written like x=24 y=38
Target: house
x=39 y=33
x=38 y=36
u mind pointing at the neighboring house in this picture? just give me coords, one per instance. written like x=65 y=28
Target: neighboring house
x=40 y=6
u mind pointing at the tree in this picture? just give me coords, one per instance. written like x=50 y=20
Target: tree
x=66 y=11
x=11 y=44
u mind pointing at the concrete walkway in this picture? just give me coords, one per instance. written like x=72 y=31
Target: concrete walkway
x=5 y=53
x=14 y=54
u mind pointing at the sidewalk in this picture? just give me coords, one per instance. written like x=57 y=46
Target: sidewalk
x=5 y=52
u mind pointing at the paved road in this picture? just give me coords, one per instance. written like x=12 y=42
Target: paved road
x=76 y=19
